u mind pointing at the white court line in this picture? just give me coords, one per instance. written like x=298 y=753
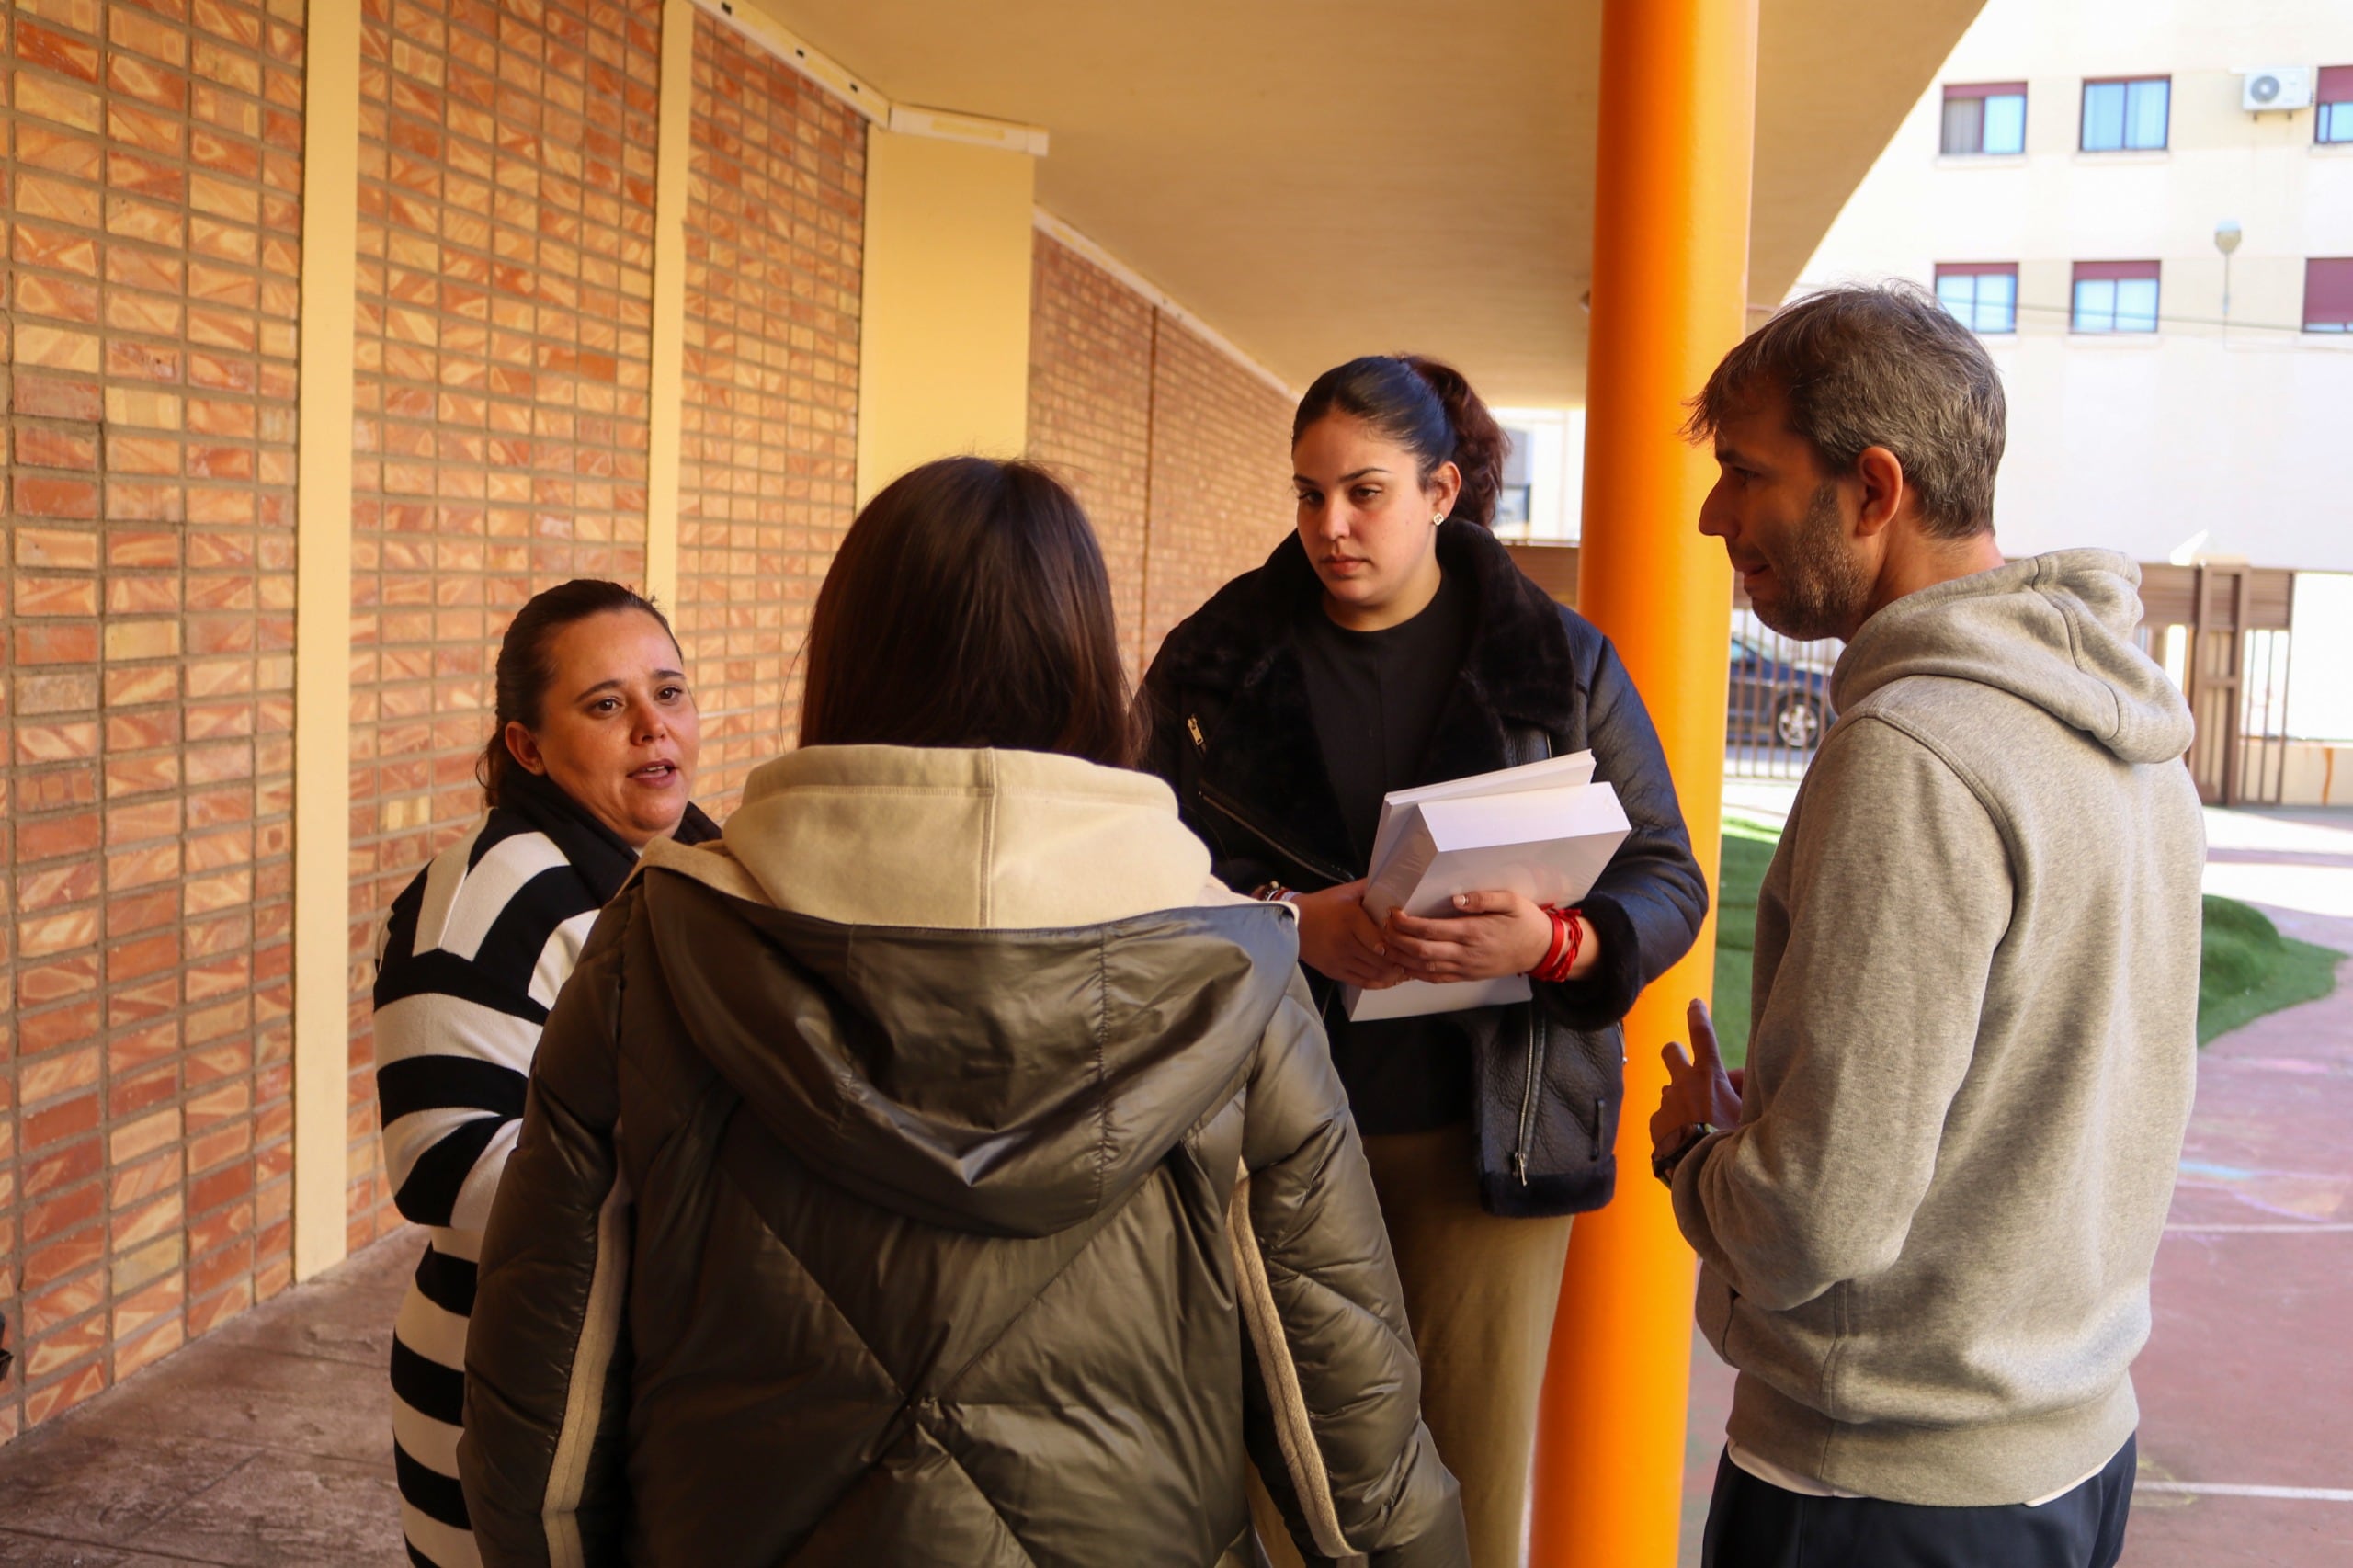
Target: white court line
x=2284 y=1228
x=2225 y=1488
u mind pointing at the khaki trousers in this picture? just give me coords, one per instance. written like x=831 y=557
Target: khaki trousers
x=1480 y=1293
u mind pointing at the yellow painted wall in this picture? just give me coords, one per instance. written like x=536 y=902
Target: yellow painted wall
x=944 y=347
x=323 y=638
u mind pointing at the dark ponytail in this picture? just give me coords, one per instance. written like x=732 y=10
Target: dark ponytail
x=1425 y=406
x=526 y=667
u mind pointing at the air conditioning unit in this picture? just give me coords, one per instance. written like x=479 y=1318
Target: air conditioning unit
x=2280 y=88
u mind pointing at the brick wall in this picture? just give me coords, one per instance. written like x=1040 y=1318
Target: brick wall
x=1180 y=454
x=1090 y=409
x=505 y=333
x=769 y=455
x=150 y=220
x=151 y=212
x=1222 y=493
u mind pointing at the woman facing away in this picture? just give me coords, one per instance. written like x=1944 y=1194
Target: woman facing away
x=1391 y=642
x=591 y=760
x=943 y=1168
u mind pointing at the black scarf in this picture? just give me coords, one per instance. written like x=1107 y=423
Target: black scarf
x=595 y=850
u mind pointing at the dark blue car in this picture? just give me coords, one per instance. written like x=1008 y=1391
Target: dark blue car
x=1779 y=701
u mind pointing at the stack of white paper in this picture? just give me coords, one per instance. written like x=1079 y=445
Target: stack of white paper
x=1545 y=831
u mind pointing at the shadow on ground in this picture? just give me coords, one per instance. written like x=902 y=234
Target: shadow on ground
x=2246 y=1381
x=265 y=1445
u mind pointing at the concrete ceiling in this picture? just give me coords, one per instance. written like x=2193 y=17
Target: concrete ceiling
x=1318 y=179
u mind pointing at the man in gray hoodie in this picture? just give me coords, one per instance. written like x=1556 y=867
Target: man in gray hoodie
x=1927 y=1216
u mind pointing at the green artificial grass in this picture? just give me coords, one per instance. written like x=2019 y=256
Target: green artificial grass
x=2245 y=968
x=1748 y=849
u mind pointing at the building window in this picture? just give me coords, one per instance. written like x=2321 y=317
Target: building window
x=1983 y=294
x=2115 y=296
x=1986 y=118
x=2126 y=116
x=2334 y=94
x=2328 y=293
x=1513 y=496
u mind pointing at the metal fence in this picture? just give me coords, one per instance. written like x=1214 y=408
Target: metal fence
x=2222 y=631
x=1777 y=700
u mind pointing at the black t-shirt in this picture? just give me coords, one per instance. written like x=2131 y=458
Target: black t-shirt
x=1376 y=696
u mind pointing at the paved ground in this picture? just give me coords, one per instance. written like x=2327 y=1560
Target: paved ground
x=2246 y=1385
x=267 y=1444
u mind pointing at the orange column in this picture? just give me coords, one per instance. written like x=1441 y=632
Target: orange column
x=1670 y=267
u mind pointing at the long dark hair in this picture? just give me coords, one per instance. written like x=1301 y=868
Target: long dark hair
x=526 y=664
x=1428 y=408
x=969 y=607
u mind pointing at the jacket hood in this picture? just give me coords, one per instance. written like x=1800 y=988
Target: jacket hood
x=988 y=990
x=2054 y=630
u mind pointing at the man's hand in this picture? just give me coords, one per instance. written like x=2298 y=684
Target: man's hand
x=1338 y=939
x=1491 y=935
x=1697 y=1093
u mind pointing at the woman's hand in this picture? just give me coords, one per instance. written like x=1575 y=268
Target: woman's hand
x=1494 y=934
x=1337 y=939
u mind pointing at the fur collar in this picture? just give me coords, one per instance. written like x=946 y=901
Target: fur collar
x=1234 y=666
x=1519 y=650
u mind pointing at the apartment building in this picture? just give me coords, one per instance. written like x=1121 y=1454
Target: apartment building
x=2146 y=208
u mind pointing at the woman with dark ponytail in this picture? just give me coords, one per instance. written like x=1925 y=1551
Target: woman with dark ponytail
x=1390 y=642
x=590 y=759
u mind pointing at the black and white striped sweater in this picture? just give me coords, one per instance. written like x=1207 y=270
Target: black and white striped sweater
x=473 y=956
x=471 y=959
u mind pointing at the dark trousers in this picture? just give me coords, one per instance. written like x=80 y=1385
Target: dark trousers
x=1753 y=1524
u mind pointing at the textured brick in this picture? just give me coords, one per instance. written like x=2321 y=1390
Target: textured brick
x=1221 y=475
x=55 y=51
x=136 y=1344
x=1179 y=454
x=483 y=306
x=61 y=1347
x=56 y=1399
x=147 y=346
x=59 y=103
x=769 y=449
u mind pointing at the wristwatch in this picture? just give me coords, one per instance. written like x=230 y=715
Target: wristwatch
x=1663 y=1166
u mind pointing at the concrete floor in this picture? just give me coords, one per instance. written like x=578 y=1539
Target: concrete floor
x=269 y=1443
x=265 y=1445
x=2246 y=1383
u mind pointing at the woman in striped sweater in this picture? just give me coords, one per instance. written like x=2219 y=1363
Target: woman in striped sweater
x=592 y=759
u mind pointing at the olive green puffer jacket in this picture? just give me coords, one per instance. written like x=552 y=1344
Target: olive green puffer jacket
x=829 y=1242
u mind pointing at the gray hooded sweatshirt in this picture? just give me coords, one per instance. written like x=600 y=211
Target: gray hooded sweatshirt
x=1926 y=1248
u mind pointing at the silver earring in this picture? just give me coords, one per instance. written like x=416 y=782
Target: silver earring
x=1437 y=519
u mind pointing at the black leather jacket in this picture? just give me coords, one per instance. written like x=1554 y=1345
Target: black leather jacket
x=1231 y=734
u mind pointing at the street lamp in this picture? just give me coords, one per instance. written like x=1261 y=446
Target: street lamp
x=2226 y=240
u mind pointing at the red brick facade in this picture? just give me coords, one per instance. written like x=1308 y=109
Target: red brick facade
x=150 y=268
x=153 y=177
x=506 y=179
x=1090 y=408
x=1222 y=493
x=769 y=455
x=1180 y=454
